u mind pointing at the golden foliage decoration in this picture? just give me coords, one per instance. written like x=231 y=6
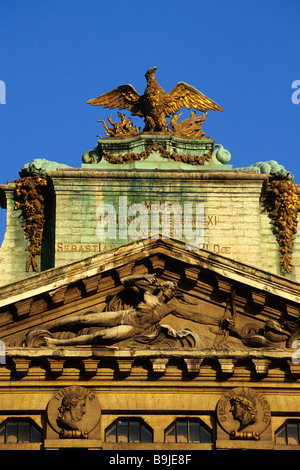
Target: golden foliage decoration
x=283 y=205
x=130 y=157
x=189 y=128
x=29 y=198
x=122 y=129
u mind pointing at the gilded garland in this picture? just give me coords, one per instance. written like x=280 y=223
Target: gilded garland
x=29 y=199
x=130 y=157
x=283 y=205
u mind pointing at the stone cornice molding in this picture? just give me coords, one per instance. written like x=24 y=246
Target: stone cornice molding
x=91 y=360
x=232 y=271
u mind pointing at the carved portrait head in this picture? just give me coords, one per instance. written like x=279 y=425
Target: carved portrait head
x=243 y=413
x=243 y=409
x=72 y=410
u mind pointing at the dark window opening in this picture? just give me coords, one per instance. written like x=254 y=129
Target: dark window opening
x=288 y=434
x=129 y=430
x=15 y=431
x=188 y=431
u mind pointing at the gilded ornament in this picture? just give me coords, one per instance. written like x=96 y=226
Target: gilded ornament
x=130 y=157
x=29 y=198
x=282 y=202
x=189 y=128
x=121 y=129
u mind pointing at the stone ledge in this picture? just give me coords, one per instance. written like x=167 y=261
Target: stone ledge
x=200 y=174
x=92 y=360
x=56 y=444
x=243 y=445
x=83 y=352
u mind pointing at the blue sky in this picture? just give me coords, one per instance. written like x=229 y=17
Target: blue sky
x=55 y=55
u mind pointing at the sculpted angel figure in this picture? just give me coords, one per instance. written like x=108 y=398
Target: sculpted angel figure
x=123 y=324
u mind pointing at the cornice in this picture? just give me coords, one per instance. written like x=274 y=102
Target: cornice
x=123 y=174
x=219 y=265
x=92 y=361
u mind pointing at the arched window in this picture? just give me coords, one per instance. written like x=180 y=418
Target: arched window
x=129 y=430
x=288 y=433
x=188 y=430
x=15 y=431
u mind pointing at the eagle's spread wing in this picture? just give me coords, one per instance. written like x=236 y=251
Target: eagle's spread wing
x=122 y=97
x=184 y=95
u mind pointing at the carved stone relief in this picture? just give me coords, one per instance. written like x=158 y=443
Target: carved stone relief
x=73 y=413
x=138 y=323
x=243 y=413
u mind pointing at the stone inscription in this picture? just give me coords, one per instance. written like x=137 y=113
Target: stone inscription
x=100 y=247
x=125 y=221
x=80 y=247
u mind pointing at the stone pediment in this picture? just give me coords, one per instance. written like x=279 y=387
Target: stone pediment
x=151 y=294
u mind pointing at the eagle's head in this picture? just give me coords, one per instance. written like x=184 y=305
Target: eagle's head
x=150 y=73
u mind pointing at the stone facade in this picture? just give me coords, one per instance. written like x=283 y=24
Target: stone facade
x=227 y=206
x=119 y=333
x=151 y=386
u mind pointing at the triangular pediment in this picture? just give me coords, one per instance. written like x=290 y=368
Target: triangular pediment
x=218 y=302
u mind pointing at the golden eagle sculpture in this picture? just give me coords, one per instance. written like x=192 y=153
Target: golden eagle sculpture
x=155 y=105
